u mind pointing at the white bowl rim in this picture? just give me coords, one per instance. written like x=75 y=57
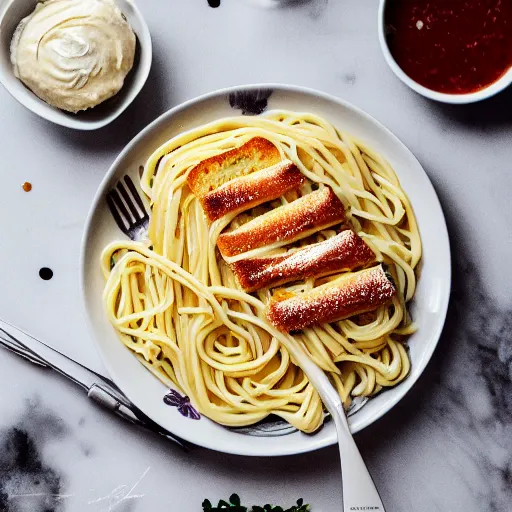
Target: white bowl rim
x=57 y=116
x=444 y=244
x=457 y=99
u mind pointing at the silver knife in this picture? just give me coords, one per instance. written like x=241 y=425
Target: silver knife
x=98 y=388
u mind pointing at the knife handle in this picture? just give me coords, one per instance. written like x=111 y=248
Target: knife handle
x=103 y=396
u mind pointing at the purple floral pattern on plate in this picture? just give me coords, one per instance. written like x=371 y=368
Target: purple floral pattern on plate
x=251 y=102
x=185 y=408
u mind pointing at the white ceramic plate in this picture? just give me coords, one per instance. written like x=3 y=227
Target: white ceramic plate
x=430 y=303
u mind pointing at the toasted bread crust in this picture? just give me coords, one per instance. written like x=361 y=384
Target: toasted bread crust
x=350 y=295
x=345 y=251
x=246 y=192
x=312 y=212
x=213 y=172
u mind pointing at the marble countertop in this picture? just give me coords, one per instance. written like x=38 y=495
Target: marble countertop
x=446 y=447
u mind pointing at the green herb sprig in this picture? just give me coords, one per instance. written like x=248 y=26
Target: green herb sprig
x=234 y=505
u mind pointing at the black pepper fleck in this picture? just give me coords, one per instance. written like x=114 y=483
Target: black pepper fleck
x=46 y=273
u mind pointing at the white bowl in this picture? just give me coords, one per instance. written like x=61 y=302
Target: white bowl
x=472 y=97
x=15 y=10
x=428 y=308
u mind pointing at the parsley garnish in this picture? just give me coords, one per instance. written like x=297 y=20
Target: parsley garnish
x=234 y=505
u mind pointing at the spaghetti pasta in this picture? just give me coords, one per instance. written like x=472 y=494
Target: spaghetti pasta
x=177 y=305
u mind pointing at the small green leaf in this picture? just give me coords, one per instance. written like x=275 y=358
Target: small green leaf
x=235 y=505
x=234 y=499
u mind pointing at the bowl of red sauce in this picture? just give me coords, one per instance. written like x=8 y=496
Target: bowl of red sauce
x=454 y=51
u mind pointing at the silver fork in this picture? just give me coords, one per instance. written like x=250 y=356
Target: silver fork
x=127 y=208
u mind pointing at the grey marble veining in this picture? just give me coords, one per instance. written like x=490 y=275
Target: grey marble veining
x=446 y=447
x=463 y=407
x=21 y=464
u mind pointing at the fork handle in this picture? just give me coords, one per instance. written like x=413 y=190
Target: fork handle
x=359 y=491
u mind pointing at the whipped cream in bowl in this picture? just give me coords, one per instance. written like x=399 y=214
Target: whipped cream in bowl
x=66 y=57
x=73 y=54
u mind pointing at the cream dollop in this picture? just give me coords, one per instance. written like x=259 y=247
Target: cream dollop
x=73 y=54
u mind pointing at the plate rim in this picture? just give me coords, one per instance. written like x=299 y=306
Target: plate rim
x=406 y=385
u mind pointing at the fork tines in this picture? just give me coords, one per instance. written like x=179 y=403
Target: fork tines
x=127 y=208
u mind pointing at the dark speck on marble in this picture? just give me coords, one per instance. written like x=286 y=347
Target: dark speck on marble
x=317 y=8
x=45 y=273
x=86 y=449
x=349 y=78
x=81 y=421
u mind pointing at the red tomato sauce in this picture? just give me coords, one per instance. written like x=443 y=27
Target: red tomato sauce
x=451 y=46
